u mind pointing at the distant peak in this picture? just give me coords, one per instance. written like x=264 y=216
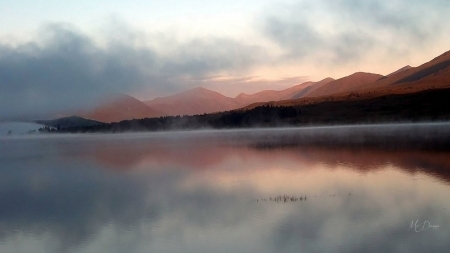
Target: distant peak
x=242 y=95
x=359 y=73
x=198 y=90
x=328 y=79
x=443 y=56
x=400 y=70
x=405 y=67
x=115 y=96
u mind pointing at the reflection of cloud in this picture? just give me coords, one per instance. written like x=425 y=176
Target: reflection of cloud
x=71 y=201
x=376 y=218
x=78 y=203
x=53 y=191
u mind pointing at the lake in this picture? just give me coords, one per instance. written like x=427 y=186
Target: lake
x=372 y=188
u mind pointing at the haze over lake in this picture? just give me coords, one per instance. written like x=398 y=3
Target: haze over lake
x=18 y=127
x=375 y=188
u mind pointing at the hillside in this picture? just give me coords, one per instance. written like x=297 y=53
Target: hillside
x=71 y=121
x=432 y=72
x=120 y=107
x=314 y=86
x=201 y=100
x=431 y=75
x=399 y=70
x=423 y=106
x=352 y=82
x=194 y=101
x=271 y=95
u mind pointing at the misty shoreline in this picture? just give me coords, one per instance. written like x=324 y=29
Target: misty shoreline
x=425 y=135
x=424 y=106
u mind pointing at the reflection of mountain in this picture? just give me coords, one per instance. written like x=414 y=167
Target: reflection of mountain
x=205 y=157
x=195 y=191
x=435 y=164
x=352 y=146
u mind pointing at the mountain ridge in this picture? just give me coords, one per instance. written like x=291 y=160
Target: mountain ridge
x=119 y=107
x=199 y=100
x=70 y=121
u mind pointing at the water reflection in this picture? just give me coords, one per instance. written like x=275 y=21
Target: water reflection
x=197 y=192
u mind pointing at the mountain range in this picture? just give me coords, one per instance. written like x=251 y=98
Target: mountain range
x=430 y=75
x=118 y=107
x=434 y=74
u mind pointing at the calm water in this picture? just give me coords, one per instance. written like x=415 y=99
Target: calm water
x=368 y=189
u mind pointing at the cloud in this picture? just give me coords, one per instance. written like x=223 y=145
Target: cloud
x=345 y=31
x=66 y=69
x=199 y=57
x=63 y=68
x=232 y=86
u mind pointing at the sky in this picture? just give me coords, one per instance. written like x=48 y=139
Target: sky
x=60 y=55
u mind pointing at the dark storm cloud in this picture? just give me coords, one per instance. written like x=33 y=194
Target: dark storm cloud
x=68 y=69
x=344 y=31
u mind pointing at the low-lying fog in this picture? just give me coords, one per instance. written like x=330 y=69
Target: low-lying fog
x=18 y=127
x=417 y=135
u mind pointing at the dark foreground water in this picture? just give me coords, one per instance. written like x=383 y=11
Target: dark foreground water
x=367 y=188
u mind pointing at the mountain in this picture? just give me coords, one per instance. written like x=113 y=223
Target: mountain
x=201 y=100
x=434 y=74
x=352 y=82
x=72 y=121
x=424 y=106
x=194 y=101
x=400 y=70
x=410 y=93
x=271 y=95
x=120 y=107
x=314 y=86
